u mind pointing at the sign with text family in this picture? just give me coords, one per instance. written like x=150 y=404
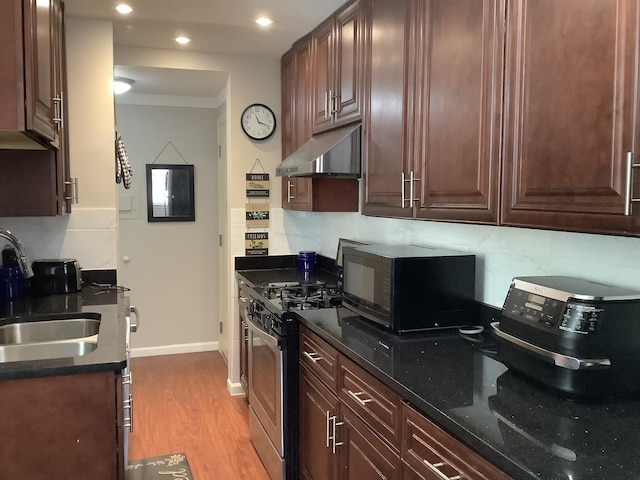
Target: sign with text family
x=256 y=244
x=257 y=215
x=257 y=185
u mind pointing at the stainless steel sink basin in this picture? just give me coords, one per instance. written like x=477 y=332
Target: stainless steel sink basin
x=48 y=331
x=42 y=337
x=44 y=351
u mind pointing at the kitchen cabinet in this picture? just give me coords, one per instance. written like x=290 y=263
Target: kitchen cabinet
x=306 y=193
x=571 y=116
x=432 y=130
x=352 y=426
x=34 y=161
x=336 y=442
x=428 y=452
x=337 y=56
x=318 y=406
x=69 y=423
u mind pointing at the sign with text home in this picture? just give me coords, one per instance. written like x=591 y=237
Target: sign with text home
x=256 y=244
x=257 y=185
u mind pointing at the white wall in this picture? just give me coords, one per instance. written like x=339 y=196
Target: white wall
x=251 y=80
x=89 y=233
x=502 y=252
x=171 y=267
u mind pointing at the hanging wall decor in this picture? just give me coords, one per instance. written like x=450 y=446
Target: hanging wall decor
x=257 y=215
x=256 y=244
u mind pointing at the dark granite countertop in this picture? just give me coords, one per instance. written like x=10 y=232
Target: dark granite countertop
x=110 y=353
x=522 y=428
x=457 y=382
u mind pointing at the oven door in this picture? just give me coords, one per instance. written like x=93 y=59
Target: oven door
x=265 y=384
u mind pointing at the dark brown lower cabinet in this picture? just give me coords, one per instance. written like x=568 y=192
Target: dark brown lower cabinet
x=376 y=436
x=62 y=426
x=317 y=405
x=363 y=455
x=428 y=452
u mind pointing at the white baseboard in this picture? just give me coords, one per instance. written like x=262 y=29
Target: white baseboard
x=235 y=388
x=174 y=349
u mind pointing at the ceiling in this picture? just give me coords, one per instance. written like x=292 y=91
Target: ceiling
x=224 y=27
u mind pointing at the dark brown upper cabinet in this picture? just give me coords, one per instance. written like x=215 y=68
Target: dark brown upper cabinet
x=336 y=56
x=432 y=129
x=306 y=193
x=571 y=116
x=34 y=157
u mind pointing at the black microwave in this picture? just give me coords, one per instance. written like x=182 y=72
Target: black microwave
x=407 y=288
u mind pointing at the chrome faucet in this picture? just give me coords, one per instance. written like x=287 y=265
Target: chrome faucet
x=23 y=261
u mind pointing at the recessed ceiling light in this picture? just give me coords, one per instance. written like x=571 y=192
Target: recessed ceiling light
x=264 y=21
x=124 y=9
x=122 y=85
x=183 y=40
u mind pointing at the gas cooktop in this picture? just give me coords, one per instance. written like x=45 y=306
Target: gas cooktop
x=289 y=296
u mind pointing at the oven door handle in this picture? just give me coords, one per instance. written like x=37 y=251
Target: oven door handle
x=270 y=340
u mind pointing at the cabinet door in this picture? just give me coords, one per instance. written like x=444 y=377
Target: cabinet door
x=63 y=170
x=571 y=93
x=322 y=40
x=363 y=455
x=434 y=454
x=61 y=424
x=317 y=406
x=347 y=91
x=297 y=193
x=287 y=66
x=302 y=98
x=39 y=67
x=386 y=146
x=459 y=105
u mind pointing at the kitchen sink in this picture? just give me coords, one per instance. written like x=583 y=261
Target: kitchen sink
x=48 y=331
x=47 y=350
x=42 y=337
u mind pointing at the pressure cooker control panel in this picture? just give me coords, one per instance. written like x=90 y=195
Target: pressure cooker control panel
x=570 y=316
x=527 y=306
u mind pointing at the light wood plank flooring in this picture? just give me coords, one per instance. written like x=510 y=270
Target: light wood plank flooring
x=181 y=404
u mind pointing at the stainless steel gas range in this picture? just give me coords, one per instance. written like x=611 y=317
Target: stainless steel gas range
x=273 y=350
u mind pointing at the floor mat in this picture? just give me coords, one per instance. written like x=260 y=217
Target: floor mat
x=173 y=466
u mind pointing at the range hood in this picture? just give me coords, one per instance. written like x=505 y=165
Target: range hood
x=334 y=153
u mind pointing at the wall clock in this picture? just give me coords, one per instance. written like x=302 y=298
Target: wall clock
x=258 y=121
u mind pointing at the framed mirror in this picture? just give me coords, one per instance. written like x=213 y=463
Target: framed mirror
x=170 y=193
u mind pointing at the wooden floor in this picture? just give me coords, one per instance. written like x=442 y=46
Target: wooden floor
x=181 y=404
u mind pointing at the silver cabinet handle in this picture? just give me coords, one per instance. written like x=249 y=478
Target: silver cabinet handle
x=289 y=188
x=333 y=436
x=403 y=184
x=128 y=421
x=560 y=360
x=328 y=427
x=134 y=326
x=73 y=186
x=412 y=180
x=356 y=397
x=435 y=468
x=326 y=105
x=333 y=103
x=629 y=198
x=313 y=356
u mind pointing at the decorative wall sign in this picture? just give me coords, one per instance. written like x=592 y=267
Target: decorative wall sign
x=256 y=244
x=257 y=215
x=257 y=185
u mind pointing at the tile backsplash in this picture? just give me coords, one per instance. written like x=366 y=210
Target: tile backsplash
x=88 y=234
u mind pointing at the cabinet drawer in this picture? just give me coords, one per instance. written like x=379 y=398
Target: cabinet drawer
x=320 y=358
x=375 y=403
x=434 y=454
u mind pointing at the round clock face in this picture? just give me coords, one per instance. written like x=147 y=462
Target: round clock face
x=258 y=121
